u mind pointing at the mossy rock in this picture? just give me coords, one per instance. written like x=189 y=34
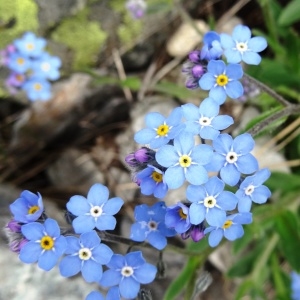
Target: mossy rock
x=23 y=16
x=82 y=36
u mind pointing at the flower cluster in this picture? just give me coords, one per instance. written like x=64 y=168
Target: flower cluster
x=137 y=8
x=31 y=67
x=189 y=148
x=38 y=238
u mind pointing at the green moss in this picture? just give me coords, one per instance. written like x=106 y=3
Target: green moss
x=84 y=37
x=24 y=12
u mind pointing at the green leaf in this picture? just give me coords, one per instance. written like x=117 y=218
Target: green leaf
x=283 y=182
x=182 y=280
x=290 y=14
x=243 y=289
x=287 y=227
x=245 y=264
x=133 y=83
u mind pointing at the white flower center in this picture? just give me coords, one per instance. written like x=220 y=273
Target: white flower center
x=96 y=211
x=209 y=202
x=249 y=190
x=85 y=253
x=241 y=47
x=231 y=157
x=45 y=66
x=204 y=121
x=127 y=271
x=152 y=225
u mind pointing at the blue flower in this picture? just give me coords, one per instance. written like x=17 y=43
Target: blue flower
x=177 y=217
x=210 y=202
x=128 y=272
x=184 y=160
x=150 y=225
x=95 y=211
x=151 y=182
x=19 y=63
x=251 y=189
x=204 y=120
x=160 y=129
x=46 y=66
x=212 y=48
x=28 y=208
x=94 y=295
x=233 y=157
x=222 y=80
x=86 y=255
x=30 y=45
x=45 y=245
x=295 y=286
x=232 y=228
x=241 y=47
x=37 y=89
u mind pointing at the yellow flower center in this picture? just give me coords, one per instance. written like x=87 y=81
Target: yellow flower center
x=20 y=61
x=157 y=177
x=185 y=161
x=222 y=80
x=182 y=214
x=227 y=224
x=33 y=209
x=37 y=86
x=163 y=130
x=47 y=242
x=29 y=46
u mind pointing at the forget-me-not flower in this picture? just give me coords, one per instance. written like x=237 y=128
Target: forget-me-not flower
x=211 y=46
x=19 y=63
x=241 y=47
x=37 y=88
x=128 y=272
x=94 y=211
x=184 y=161
x=222 y=80
x=150 y=225
x=45 y=244
x=160 y=130
x=232 y=157
x=252 y=190
x=86 y=255
x=46 y=66
x=231 y=229
x=204 y=120
x=151 y=182
x=30 y=45
x=295 y=286
x=210 y=202
x=28 y=208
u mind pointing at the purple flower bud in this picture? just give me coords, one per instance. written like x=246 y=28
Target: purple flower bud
x=142 y=155
x=17 y=245
x=198 y=71
x=197 y=233
x=194 y=56
x=14 y=226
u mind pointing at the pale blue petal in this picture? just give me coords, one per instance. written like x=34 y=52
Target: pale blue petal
x=102 y=254
x=216 y=67
x=197 y=213
x=83 y=224
x=196 y=175
x=234 y=89
x=95 y=295
x=251 y=58
x=160 y=190
x=60 y=245
x=209 y=108
x=241 y=33
x=174 y=177
x=261 y=194
x=234 y=232
x=227 y=200
x=227 y=41
x=134 y=259
x=222 y=122
x=157 y=240
x=30 y=252
x=141 y=213
x=243 y=143
x=234 y=71
x=33 y=231
x=215 y=237
x=214 y=186
x=111 y=278
x=175 y=116
x=247 y=164
x=215 y=217
x=145 y=273
x=202 y=154
x=195 y=193
x=261 y=176
x=184 y=143
x=90 y=239
x=257 y=44
x=129 y=288
x=154 y=120
x=233 y=56
x=91 y=271
x=117 y=262
x=138 y=232
x=144 y=136
x=106 y=222
x=190 y=112
x=244 y=204
x=230 y=175
x=47 y=260
x=112 y=206
x=98 y=194
x=223 y=143
x=78 y=205
x=207 y=81
x=51 y=227
x=70 y=266
x=167 y=156
x=159 y=142
x=72 y=244
x=209 y=133
x=218 y=94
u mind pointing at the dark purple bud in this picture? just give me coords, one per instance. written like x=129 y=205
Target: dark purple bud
x=130 y=160
x=14 y=226
x=191 y=83
x=197 y=233
x=16 y=245
x=194 y=56
x=142 y=155
x=197 y=71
